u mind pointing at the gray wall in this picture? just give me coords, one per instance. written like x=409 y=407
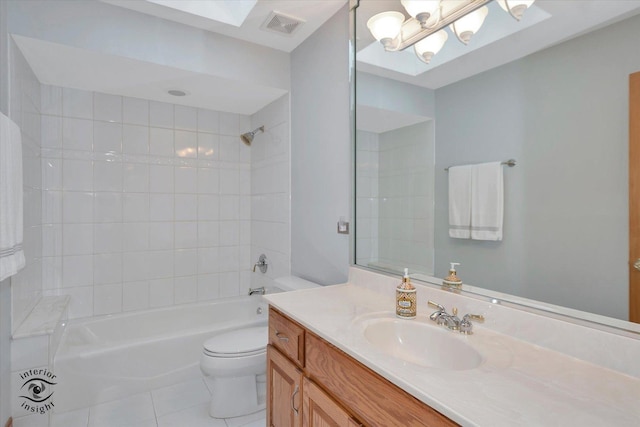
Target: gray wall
x=563 y=114
x=321 y=152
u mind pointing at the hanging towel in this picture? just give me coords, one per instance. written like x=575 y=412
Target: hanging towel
x=460 y=202
x=11 y=253
x=487 y=201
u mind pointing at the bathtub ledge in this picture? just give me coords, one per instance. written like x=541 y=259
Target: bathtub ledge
x=48 y=314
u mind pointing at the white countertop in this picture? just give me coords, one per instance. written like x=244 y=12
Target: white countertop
x=518 y=383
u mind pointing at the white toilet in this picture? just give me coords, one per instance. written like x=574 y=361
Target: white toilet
x=236 y=361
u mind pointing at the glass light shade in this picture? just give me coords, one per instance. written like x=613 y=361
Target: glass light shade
x=385 y=26
x=515 y=8
x=468 y=25
x=421 y=9
x=429 y=46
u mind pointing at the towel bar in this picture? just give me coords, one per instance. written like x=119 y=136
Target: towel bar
x=511 y=163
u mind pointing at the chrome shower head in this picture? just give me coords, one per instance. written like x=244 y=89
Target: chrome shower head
x=248 y=137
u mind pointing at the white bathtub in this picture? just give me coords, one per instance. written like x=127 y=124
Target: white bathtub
x=110 y=357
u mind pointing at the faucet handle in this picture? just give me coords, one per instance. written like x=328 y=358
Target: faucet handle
x=466 y=327
x=477 y=317
x=435 y=305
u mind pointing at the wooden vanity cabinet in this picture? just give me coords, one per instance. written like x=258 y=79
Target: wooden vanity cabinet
x=312 y=383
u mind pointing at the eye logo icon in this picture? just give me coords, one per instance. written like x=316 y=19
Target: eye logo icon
x=36 y=391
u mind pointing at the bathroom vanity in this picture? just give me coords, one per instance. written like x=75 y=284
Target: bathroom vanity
x=338 y=356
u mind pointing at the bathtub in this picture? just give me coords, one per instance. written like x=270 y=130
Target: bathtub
x=110 y=357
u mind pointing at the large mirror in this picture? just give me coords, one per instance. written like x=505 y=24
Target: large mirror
x=551 y=92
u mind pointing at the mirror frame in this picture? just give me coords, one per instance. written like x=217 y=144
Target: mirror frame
x=592 y=320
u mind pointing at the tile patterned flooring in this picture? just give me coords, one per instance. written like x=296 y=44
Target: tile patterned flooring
x=180 y=405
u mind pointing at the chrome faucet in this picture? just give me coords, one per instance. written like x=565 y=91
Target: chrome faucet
x=261 y=290
x=452 y=321
x=261 y=264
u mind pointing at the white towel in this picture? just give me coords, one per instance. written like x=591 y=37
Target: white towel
x=11 y=253
x=460 y=202
x=487 y=201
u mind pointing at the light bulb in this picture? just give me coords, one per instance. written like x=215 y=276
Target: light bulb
x=429 y=46
x=385 y=26
x=465 y=27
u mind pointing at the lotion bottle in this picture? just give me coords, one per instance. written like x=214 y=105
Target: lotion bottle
x=452 y=280
x=406 y=298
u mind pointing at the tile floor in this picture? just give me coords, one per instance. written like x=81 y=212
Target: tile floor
x=180 y=405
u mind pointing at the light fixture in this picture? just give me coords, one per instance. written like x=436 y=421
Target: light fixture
x=429 y=46
x=422 y=10
x=385 y=26
x=465 y=27
x=425 y=29
x=515 y=8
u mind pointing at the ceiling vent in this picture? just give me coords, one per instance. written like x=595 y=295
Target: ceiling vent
x=282 y=24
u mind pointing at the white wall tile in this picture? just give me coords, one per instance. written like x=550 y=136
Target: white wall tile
x=107 y=237
x=52 y=207
x=186 y=263
x=77 y=175
x=29 y=352
x=135 y=178
x=107 y=268
x=77 y=134
x=52 y=174
x=208 y=287
x=186 y=180
x=160 y=114
x=135 y=139
x=186 y=118
x=107 y=176
x=229 y=181
x=160 y=292
x=51 y=131
x=135 y=111
x=208 y=207
x=107 y=108
x=161 y=142
x=229 y=233
x=135 y=266
x=208 y=146
x=208 y=234
x=135 y=207
x=229 y=207
x=229 y=148
x=208 y=260
x=186 y=207
x=77 y=103
x=77 y=207
x=77 y=239
x=229 y=284
x=51 y=240
x=185 y=289
x=135 y=236
x=81 y=303
x=161 y=235
x=107 y=299
x=161 y=207
x=107 y=207
x=107 y=137
x=230 y=124
x=135 y=296
x=161 y=179
x=208 y=121
x=51 y=100
x=77 y=271
x=186 y=144
x=208 y=181
x=186 y=235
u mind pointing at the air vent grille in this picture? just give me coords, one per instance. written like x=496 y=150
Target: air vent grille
x=282 y=24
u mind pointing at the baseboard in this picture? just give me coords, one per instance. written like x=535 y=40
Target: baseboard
x=9 y=422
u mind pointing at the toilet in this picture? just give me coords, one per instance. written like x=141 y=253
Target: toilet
x=236 y=362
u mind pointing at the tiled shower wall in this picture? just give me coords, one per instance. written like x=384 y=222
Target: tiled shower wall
x=145 y=204
x=24 y=110
x=367 y=202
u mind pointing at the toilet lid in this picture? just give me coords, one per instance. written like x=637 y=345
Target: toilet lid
x=239 y=342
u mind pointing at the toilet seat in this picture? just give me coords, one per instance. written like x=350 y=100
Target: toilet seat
x=238 y=343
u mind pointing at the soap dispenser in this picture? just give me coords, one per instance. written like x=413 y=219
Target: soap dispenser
x=452 y=280
x=406 y=298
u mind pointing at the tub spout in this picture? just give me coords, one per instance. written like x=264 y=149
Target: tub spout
x=261 y=290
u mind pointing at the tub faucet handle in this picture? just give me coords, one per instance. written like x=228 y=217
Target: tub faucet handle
x=261 y=264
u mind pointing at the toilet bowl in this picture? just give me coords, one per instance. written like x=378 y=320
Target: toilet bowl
x=236 y=363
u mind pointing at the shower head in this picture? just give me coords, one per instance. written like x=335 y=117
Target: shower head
x=248 y=137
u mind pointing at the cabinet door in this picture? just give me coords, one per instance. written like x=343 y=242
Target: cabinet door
x=284 y=391
x=319 y=410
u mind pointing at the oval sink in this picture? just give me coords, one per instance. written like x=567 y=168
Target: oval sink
x=421 y=344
